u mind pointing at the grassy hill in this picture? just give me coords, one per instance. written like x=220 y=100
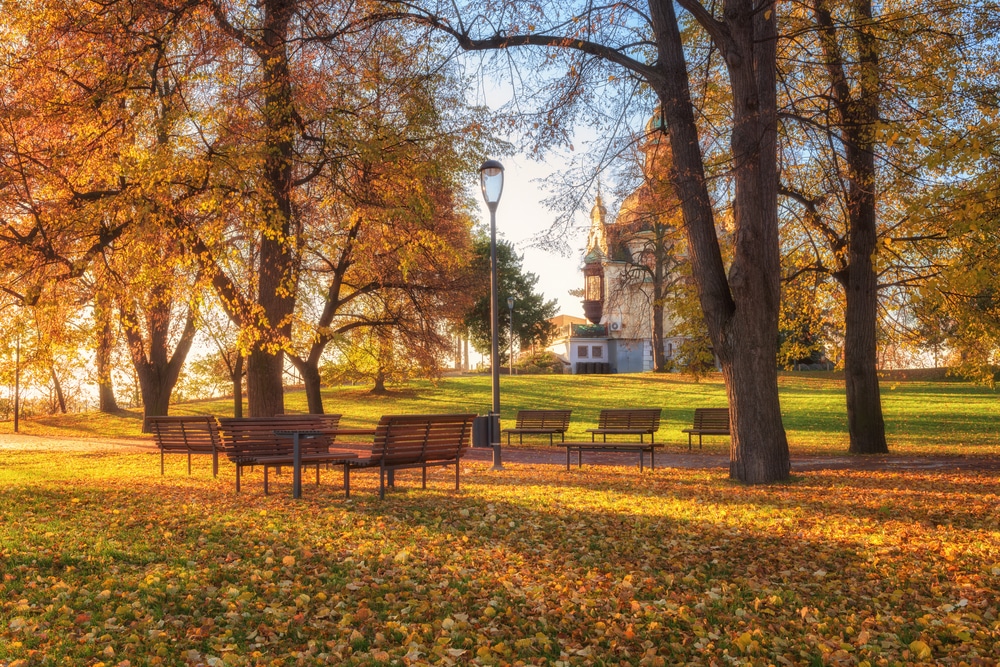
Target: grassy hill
x=922 y=417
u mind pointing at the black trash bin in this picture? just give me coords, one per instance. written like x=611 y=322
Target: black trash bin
x=481 y=430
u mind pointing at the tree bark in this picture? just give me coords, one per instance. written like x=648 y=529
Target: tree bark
x=237 y=378
x=742 y=312
x=265 y=364
x=60 y=397
x=102 y=360
x=156 y=368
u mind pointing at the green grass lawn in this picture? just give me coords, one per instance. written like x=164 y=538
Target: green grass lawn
x=922 y=417
x=103 y=562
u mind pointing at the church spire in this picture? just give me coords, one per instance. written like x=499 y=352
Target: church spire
x=596 y=239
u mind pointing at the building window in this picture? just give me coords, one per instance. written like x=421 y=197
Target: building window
x=582 y=351
x=597 y=352
x=670 y=350
x=593 y=288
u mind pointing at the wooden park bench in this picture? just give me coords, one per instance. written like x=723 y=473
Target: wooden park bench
x=627 y=421
x=253 y=441
x=636 y=447
x=708 y=421
x=191 y=434
x=540 y=422
x=414 y=441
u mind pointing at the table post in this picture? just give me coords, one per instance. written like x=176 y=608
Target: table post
x=296 y=466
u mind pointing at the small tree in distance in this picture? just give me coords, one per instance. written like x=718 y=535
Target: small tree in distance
x=531 y=311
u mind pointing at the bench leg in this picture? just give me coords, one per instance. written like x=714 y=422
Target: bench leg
x=568 y=449
x=347 y=480
x=161 y=461
x=265 y=479
x=652 y=458
x=189 y=463
x=579 y=458
x=239 y=468
x=699 y=441
x=640 y=460
x=381 y=482
x=423 y=479
x=458 y=471
x=317 y=474
x=215 y=464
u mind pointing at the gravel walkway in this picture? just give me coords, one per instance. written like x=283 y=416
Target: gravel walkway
x=556 y=455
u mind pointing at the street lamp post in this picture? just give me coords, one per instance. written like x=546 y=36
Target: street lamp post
x=510 y=306
x=491 y=180
x=17 y=384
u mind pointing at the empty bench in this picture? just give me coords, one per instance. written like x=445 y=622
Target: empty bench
x=414 y=441
x=627 y=421
x=708 y=421
x=187 y=435
x=253 y=441
x=540 y=422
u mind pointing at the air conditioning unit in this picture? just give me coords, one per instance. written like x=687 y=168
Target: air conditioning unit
x=615 y=325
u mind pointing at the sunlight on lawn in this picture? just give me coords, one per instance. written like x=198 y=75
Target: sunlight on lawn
x=105 y=561
x=922 y=418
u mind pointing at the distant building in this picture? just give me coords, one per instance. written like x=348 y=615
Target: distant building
x=629 y=268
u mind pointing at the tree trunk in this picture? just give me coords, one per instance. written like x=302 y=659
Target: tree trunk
x=237 y=378
x=60 y=397
x=858 y=119
x=156 y=368
x=659 y=354
x=742 y=312
x=314 y=395
x=102 y=360
x=379 y=388
x=265 y=365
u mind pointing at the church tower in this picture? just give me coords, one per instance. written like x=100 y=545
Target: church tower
x=593 y=263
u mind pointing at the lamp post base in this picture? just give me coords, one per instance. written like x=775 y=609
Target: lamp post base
x=497 y=464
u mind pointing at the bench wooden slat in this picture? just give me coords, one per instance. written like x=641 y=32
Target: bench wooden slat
x=187 y=434
x=708 y=421
x=252 y=441
x=627 y=421
x=416 y=441
x=540 y=422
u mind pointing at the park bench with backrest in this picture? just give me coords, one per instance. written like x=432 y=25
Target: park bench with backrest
x=252 y=441
x=708 y=421
x=627 y=421
x=189 y=434
x=414 y=441
x=540 y=422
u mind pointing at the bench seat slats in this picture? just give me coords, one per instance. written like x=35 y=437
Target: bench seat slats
x=253 y=441
x=708 y=421
x=416 y=441
x=540 y=422
x=627 y=421
x=188 y=434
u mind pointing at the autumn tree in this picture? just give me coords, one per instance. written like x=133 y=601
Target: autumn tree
x=855 y=77
x=648 y=45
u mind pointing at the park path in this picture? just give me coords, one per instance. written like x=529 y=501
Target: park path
x=555 y=455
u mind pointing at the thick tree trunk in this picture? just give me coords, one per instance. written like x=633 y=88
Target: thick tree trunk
x=864 y=402
x=265 y=365
x=742 y=312
x=156 y=368
x=379 y=388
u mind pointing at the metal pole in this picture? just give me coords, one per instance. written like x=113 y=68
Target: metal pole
x=512 y=341
x=495 y=347
x=17 y=383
